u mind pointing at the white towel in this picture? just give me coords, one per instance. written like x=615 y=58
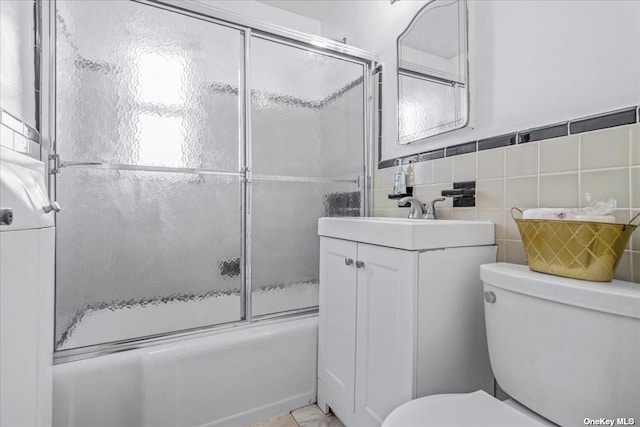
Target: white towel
x=565 y=214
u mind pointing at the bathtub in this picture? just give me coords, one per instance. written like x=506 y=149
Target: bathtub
x=231 y=378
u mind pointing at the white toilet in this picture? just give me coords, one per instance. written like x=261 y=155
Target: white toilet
x=566 y=351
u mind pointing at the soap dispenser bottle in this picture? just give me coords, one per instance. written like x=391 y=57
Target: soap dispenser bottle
x=399 y=179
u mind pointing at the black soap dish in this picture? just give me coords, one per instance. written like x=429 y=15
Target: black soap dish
x=409 y=193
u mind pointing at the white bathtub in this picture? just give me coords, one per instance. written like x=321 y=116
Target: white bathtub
x=232 y=378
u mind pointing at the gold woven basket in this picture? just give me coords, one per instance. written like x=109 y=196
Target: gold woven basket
x=576 y=249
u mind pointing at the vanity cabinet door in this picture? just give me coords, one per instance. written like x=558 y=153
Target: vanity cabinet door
x=337 y=320
x=386 y=329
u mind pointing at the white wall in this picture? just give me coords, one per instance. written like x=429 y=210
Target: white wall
x=17 y=59
x=533 y=62
x=265 y=13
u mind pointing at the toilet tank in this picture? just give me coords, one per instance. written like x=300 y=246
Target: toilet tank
x=566 y=349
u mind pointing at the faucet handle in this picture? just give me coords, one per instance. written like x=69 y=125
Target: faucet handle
x=463 y=194
x=432 y=212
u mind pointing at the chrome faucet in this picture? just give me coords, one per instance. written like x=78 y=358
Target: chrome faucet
x=418 y=210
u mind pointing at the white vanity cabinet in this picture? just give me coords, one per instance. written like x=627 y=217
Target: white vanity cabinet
x=398 y=323
x=366 y=329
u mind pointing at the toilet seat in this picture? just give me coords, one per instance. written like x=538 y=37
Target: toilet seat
x=476 y=409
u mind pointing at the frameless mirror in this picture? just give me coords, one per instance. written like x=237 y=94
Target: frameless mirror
x=433 y=95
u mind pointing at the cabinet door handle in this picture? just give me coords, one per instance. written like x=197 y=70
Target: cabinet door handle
x=348 y=261
x=359 y=264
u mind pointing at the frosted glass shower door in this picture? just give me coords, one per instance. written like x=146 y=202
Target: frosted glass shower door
x=307 y=160
x=149 y=240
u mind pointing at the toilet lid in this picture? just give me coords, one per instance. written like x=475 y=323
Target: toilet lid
x=475 y=409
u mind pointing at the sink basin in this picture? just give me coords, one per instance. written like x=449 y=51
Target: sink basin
x=410 y=234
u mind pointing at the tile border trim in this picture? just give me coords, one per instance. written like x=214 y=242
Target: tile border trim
x=498 y=141
x=18 y=136
x=619 y=118
x=622 y=117
x=19 y=126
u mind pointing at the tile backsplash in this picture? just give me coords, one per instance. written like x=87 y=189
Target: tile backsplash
x=19 y=136
x=548 y=173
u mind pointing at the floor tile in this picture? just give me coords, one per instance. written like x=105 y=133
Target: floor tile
x=327 y=421
x=308 y=413
x=285 y=420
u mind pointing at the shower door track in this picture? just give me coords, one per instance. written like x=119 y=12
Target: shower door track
x=250 y=28
x=200 y=10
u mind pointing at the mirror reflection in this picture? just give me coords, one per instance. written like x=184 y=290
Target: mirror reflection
x=432 y=72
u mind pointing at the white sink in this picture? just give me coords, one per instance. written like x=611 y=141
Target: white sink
x=410 y=234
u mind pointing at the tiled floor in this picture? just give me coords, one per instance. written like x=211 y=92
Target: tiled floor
x=309 y=416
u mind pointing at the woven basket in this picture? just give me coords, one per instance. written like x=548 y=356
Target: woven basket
x=576 y=249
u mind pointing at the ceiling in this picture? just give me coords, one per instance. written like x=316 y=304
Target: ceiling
x=314 y=9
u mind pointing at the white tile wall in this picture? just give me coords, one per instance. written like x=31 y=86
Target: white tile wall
x=514 y=252
x=635 y=145
x=522 y=192
x=635 y=188
x=608 y=148
x=559 y=190
x=559 y=154
x=624 y=267
x=17 y=141
x=442 y=170
x=522 y=159
x=20 y=143
x=422 y=173
x=6 y=136
x=635 y=237
x=464 y=167
x=550 y=173
x=604 y=184
x=490 y=194
x=491 y=163
x=497 y=217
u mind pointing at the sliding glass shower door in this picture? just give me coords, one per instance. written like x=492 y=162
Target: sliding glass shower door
x=148 y=127
x=307 y=159
x=191 y=182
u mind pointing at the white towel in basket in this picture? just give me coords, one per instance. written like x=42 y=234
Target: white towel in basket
x=565 y=214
